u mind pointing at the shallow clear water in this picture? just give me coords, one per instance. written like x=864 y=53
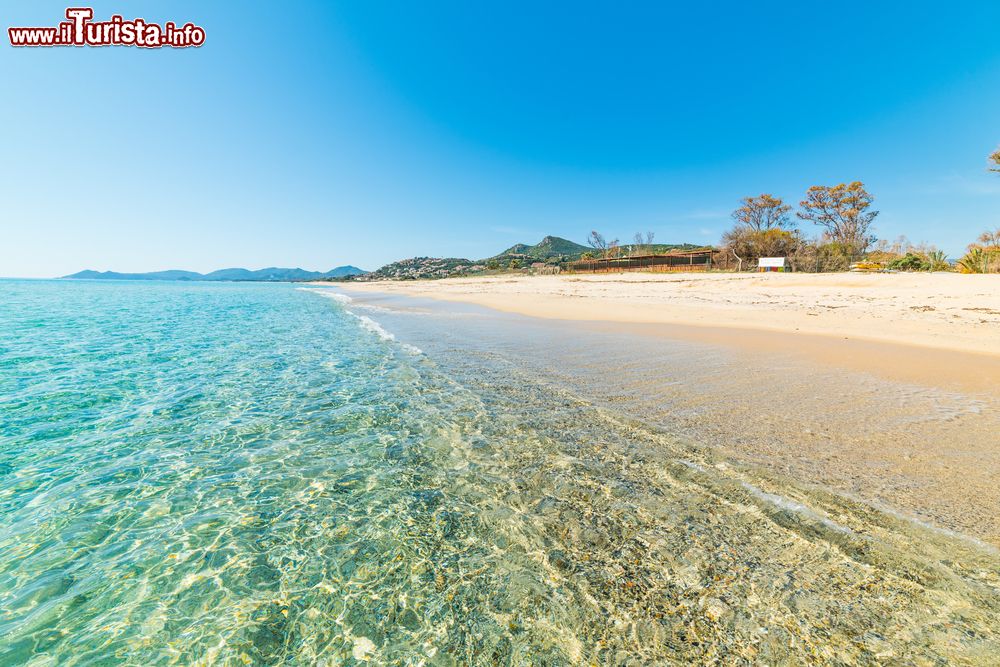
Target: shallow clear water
x=255 y=474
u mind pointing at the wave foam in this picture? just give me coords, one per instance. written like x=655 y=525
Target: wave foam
x=336 y=296
x=366 y=322
x=376 y=328
x=780 y=502
x=373 y=326
x=794 y=506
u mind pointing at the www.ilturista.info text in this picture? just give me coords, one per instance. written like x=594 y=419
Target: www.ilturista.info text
x=81 y=30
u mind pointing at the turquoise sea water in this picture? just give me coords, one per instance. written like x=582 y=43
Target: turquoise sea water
x=262 y=474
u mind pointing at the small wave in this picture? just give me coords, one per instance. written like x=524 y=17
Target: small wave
x=793 y=506
x=940 y=530
x=376 y=328
x=336 y=296
x=375 y=309
x=373 y=326
x=366 y=322
x=692 y=465
x=780 y=502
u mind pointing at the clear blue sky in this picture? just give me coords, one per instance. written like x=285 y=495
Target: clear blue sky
x=316 y=134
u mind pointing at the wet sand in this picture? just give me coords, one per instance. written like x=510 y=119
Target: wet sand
x=905 y=428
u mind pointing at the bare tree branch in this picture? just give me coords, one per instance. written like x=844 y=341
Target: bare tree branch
x=597 y=242
x=842 y=210
x=637 y=243
x=763 y=212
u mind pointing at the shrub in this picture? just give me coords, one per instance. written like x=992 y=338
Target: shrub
x=938 y=261
x=983 y=257
x=910 y=262
x=980 y=260
x=748 y=245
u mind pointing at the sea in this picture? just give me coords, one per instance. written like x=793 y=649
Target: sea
x=279 y=474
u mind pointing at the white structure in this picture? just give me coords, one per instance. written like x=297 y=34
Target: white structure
x=771 y=264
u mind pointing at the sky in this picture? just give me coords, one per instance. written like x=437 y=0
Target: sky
x=318 y=134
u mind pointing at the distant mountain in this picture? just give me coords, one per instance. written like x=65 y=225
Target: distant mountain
x=272 y=274
x=154 y=275
x=345 y=272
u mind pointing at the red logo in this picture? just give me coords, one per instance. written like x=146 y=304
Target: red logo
x=81 y=30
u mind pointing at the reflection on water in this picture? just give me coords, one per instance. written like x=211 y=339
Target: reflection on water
x=260 y=479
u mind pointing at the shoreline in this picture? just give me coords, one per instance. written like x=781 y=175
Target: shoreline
x=888 y=325
x=962 y=313
x=903 y=427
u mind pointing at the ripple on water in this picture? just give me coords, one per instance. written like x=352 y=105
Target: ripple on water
x=247 y=474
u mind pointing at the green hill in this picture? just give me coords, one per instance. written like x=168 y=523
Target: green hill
x=423 y=268
x=553 y=249
x=549 y=248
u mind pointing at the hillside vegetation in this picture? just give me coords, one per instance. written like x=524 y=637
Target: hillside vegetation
x=551 y=251
x=551 y=247
x=424 y=267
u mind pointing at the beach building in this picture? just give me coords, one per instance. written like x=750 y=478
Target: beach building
x=772 y=264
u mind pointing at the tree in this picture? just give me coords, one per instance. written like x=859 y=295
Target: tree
x=597 y=241
x=843 y=211
x=746 y=244
x=736 y=242
x=762 y=213
x=763 y=229
x=990 y=239
x=643 y=243
x=995 y=159
x=815 y=255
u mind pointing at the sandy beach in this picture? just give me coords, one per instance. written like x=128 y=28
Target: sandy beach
x=940 y=329
x=941 y=310
x=917 y=355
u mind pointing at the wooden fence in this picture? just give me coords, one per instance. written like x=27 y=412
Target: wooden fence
x=693 y=260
